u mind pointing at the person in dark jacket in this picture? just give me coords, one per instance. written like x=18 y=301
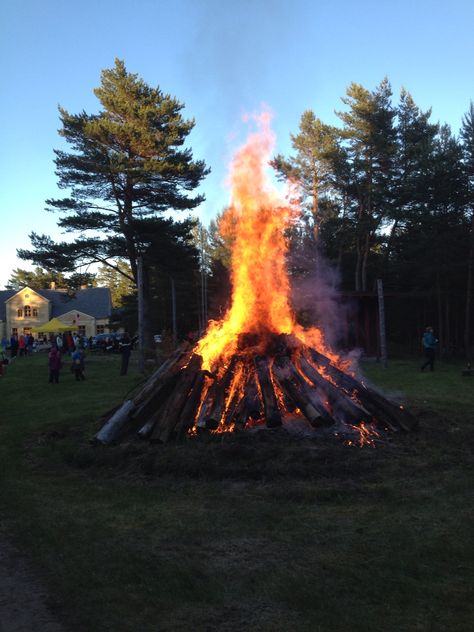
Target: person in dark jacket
x=429 y=342
x=125 y=349
x=13 y=346
x=54 y=363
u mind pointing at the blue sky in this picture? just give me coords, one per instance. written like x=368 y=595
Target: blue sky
x=221 y=58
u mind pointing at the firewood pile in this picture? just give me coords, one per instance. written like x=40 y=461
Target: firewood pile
x=258 y=387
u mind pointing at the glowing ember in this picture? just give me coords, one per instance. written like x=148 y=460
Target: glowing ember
x=257 y=219
x=367 y=436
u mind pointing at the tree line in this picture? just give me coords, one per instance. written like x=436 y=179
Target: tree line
x=386 y=194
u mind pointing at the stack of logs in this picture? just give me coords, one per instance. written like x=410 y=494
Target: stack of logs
x=289 y=378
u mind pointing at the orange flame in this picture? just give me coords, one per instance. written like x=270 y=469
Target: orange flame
x=257 y=219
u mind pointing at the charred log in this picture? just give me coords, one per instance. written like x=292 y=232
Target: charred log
x=342 y=406
x=270 y=404
x=188 y=414
x=306 y=392
x=173 y=406
x=378 y=406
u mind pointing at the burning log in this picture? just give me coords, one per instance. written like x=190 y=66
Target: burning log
x=393 y=416
x=219 y=396
x=187 y=416
x=342 y=406
x=270 y=404
x=304 y=398
x=170 y=412
x=253 y=399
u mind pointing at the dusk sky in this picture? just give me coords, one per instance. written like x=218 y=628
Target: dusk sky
x=222 y=59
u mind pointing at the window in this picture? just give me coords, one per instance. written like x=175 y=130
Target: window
x=27 y=311
x=81 y=330
x=101 y=329
x=19 y=313
x=14 y=331
x=35 y=312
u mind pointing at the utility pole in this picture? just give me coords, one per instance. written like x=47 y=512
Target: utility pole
x=141 y=331
x=383 y=339
x=203 y=285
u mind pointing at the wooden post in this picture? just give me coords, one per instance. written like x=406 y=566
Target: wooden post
x=141 y=324
x=383 y=339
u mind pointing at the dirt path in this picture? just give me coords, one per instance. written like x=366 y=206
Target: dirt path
x=22 y=597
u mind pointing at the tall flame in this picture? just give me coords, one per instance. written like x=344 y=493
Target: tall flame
x=257 y=218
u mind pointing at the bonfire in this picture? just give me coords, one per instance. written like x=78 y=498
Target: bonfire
x=257 y=367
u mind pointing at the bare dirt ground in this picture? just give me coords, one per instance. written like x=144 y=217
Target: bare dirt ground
x=23 y=599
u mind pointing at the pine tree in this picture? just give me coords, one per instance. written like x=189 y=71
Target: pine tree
x=369 y=137
x=128 y=165
x=310 y=167
x=467 y=137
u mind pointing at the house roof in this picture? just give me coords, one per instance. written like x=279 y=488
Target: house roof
x=94 y=301
x=4 y=296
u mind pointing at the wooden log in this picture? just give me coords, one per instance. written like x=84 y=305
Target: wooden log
x=113 y=428
x=241 y=414
x=341 y=404
x=206 y=404
x=253 y=399
x=219 y=395
x=270 y=404
x=232 y=408
x=301 y=401
x=157 y=389
x=188 y=414
x=145 y=431
x=158 y=375
x=173 y=406
x=384 y=411
x=306 y=393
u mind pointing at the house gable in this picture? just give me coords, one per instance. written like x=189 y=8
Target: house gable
x=26 y=296
x=26 y=308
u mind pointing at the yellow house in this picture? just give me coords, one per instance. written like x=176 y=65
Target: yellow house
x=88 y=309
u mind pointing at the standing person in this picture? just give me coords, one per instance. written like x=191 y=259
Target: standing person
x=125 y=349
x=30 y=341
x=59 y=343
x=78 y=364
x=54 y=363
x=13 y=346
x=3 y=359
x=429 y=342
x=22 y=345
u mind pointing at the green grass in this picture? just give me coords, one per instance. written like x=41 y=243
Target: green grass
x=242 y=533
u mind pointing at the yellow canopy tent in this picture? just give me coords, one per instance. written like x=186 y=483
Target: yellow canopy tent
x=53 y=327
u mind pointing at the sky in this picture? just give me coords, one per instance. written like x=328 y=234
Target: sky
x=222 y=59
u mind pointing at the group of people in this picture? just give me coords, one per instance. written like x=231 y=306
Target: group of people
x=77 y=354
x=19 y=345
x=55 y=363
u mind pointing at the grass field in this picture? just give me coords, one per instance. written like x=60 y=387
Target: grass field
x=242 y=533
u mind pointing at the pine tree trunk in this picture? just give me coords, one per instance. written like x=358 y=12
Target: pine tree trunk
x=470 y=274
x=358 y=266
x=364 y=263
x=440 y=315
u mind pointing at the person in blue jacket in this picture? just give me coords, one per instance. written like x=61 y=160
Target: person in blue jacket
x=429 y=343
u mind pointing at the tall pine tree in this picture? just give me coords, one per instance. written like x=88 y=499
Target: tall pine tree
x=128 y=165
